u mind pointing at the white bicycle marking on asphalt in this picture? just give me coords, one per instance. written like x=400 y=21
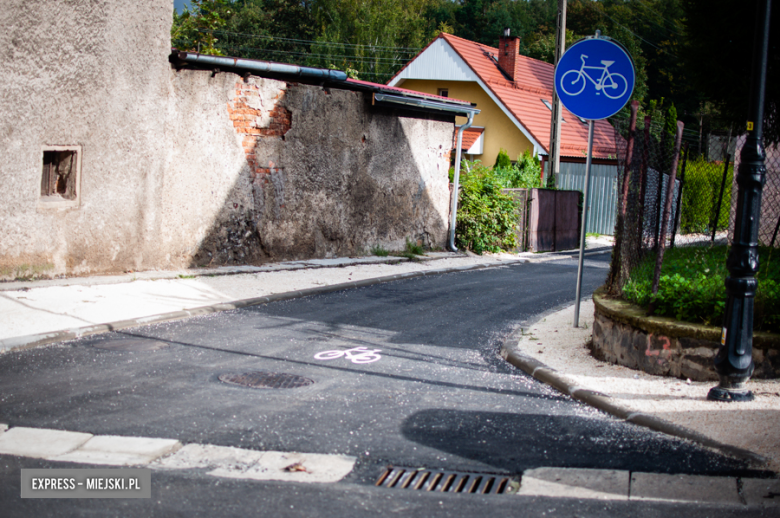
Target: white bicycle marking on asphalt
x=355 y=355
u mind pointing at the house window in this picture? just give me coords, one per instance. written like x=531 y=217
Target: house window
x=444 y=92
x=60 y=176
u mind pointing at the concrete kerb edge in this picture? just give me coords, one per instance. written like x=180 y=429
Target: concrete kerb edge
x=545 y=374
x=39 y=340
x=207 y=272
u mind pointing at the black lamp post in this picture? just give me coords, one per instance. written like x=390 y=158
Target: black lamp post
x=734 y=361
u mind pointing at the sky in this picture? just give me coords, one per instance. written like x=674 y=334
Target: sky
x=179 y=5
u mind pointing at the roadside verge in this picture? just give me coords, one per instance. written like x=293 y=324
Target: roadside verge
x=553 y=352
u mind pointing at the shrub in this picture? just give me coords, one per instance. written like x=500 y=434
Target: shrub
x=486 y=217
x=692 y=288
x=525 y=174
x=502 y=160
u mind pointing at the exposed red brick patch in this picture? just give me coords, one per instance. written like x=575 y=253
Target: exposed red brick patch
x=250 y=123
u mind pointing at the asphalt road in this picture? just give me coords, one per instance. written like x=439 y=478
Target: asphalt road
x=438 y=396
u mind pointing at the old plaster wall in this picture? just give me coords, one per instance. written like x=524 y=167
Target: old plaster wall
x=186 y=168
x=305 y=171
x=91 y=73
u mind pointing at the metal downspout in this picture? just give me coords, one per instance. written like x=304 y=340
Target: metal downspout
x=456 y=183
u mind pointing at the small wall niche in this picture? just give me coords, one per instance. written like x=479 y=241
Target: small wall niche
x=60 y=177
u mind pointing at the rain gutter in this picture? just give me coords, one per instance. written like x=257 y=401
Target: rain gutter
x=261 y=66
x=456 y=183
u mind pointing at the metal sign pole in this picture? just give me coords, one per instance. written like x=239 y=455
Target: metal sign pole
x=584 y=224
x=593 y=92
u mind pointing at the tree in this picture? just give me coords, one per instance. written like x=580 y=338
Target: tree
x=718 y=55
x=374 y=37
x=194 y=30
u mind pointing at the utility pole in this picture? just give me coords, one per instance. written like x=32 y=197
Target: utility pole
x=555 y=125
x=734 y=361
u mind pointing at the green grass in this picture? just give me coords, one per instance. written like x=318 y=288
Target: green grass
x=414 y=248
x=411 y=252
x=692 y=289
x=379 y=251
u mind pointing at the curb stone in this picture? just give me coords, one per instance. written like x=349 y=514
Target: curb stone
x=549 y=376
x=38 y=340
x=239 y=463
x=169 y=454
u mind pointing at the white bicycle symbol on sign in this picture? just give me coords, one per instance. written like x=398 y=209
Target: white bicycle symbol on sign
x=356 y=355
x=613 y=85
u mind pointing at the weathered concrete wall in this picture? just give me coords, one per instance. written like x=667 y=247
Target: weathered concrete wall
x=182 y=168
x=90 y=73
x=309 y=172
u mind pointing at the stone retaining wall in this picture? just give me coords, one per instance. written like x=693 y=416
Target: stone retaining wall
x=625 y=335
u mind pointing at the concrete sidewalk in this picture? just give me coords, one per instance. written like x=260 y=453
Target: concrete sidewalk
x=34 y=313
x=40 y=312
x=237 y=463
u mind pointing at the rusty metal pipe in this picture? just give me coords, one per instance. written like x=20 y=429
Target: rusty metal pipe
x=261 y=66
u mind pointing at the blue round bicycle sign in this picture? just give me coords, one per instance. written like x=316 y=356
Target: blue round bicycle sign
x=594 y=78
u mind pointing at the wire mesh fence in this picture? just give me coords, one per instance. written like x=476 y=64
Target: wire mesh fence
x=769 y=223
x=703 y=199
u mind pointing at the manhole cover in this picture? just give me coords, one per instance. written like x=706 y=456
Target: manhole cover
x=131 y=344
x=260 y=379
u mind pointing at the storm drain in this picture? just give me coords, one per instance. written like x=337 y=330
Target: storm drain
x=447 y=481
x=260 y=379
x=131 y=344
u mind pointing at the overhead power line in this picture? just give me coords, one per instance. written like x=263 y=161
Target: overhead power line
x=407 y=50
x=346 y=57
x=640 y=37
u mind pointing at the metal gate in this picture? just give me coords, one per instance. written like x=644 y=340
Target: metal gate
x=603 y=193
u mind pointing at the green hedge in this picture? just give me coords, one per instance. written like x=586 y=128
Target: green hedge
x=692 y=287
x=700 y=196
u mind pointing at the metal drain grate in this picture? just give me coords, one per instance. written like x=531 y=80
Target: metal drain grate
x=131 y=344
x=260 y=379
x=447 y=481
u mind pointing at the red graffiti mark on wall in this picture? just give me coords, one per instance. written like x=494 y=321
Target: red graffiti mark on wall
x=666 y=347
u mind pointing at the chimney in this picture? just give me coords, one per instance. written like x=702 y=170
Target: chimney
x=508 y=50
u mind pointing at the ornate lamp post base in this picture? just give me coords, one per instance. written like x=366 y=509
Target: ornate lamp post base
x=729 y=391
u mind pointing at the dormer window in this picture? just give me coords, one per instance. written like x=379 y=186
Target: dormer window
x=549 y=107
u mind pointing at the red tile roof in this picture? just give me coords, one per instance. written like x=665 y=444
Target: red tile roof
x=470 y=135
x=403 y=91
x=523 y=98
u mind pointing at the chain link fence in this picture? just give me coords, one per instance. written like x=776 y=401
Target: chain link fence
x=769 y=224
x=703 y=198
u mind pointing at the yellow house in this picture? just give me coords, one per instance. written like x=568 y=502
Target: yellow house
x=513 y=94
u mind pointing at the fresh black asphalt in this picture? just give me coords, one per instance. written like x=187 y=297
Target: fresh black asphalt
x=439 y=397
